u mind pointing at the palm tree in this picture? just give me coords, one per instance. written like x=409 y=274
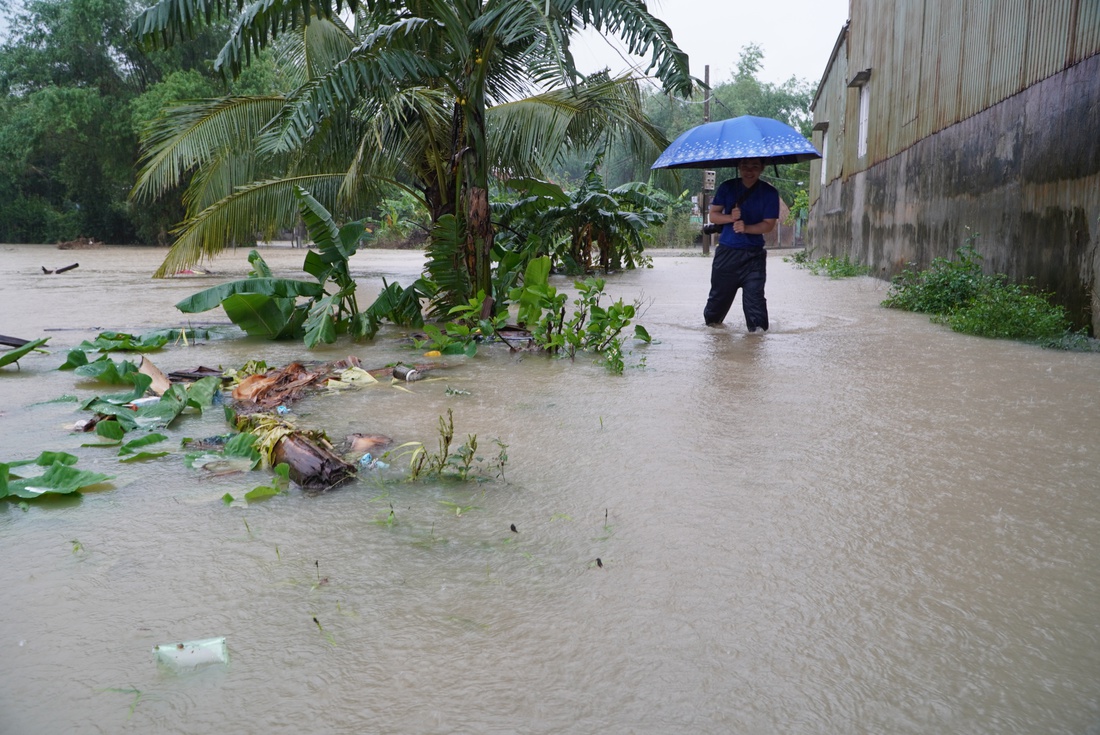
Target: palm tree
x=435 y=95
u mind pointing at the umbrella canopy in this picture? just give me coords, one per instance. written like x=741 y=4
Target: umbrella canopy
x=726 y=142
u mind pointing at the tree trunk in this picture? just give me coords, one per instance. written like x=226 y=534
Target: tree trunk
x=479 y=225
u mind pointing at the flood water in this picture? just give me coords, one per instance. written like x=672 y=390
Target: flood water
x=860 y=522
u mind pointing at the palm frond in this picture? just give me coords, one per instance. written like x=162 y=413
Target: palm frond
x=446 y=266
x=260 y=22
x=185 y=136
x=217 y=178
x=367 y=71
x=643 y=33
x=259 y=209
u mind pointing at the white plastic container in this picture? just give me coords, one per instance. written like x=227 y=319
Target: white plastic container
x=192 y=654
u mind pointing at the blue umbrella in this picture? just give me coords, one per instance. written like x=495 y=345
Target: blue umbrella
x=724 y=143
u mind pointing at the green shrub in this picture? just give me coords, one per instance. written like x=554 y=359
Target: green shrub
x=956 y=293
x=944 y=287
x=1008 y=311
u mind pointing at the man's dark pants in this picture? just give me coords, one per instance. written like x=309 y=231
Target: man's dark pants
x=733 y=269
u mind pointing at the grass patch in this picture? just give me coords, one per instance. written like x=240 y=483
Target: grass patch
x=830 y=265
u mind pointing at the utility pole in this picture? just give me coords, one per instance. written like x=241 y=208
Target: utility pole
x=703 y=199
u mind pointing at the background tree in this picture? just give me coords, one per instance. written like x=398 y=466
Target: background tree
x=72 y=84
x=451 y=93
x=743 y=94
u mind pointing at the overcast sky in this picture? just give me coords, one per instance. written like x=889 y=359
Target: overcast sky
x=796 y=36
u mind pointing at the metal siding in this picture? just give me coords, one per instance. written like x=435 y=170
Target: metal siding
x=878 y=59
x=949 y=63
x=974 y=79
x=1008 y=49
x=1049 y=30
x=935 y=63
x=929 y=63
x=913 y=15
x=1086 y=39
x=831 y=109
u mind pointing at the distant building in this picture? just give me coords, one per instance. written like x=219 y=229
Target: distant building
x=941 y=119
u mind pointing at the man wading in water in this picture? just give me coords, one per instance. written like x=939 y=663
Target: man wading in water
x=748 y=209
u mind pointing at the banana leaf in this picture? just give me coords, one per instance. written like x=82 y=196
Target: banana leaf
x=320 y=325
x=11 y=356
x=260 y=315
x=132 y=446
x=285 y=288
x=141 y=384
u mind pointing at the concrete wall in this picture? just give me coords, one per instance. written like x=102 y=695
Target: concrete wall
x=1024 y=175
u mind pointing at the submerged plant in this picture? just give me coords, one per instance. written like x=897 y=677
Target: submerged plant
x=265 y=306
x=830 y=265
x=460 y=464
x=591 y=327
x=958 y=294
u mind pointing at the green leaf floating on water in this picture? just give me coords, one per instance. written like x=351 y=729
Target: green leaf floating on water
x=144 y=441
x=261 y=493
x=142 y=456
x=158 y=415
x=7 y=358
x=110 y=430
x=238 y=455
x=279 y=483
x=127 y=450
x=122 y=342
x=108 y=371
x=60 y=477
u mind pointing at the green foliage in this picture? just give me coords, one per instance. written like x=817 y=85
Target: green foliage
x=396 y=217
x=800 y=207
x=11 y=357
x=461 y=335
x=830 y=265
x=123 y=342
x=461 y=463
x=74 y=94
x=103 y=368
x=590 y=328
x=177 y=399
x=1003 y=310
x=59 y=478
x=945 y=286
x=280 y=482
x=267 y=307
x=402 y=306
x=956 y=293
x=588 y=228
x=435 y=98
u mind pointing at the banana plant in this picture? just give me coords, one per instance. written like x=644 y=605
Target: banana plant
x=266 y=306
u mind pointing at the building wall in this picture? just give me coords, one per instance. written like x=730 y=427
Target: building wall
x=984 y=120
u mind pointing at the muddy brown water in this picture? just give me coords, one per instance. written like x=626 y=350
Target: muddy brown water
x=857 y=523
